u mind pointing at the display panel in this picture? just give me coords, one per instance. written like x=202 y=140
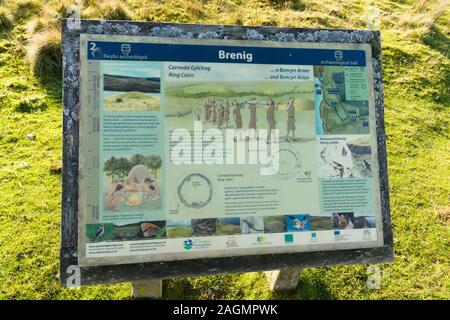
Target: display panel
x=212 y=148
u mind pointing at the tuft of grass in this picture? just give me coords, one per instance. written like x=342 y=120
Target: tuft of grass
x=110 y=10
x=195 y=9
x=44 y=53
x=180 y=12
x=35 y=26
x=291 y=4
x=31 y=104
x=24 y=9
x=5 y=20
x=56 y=167
x=419 y=5
x=439 y=10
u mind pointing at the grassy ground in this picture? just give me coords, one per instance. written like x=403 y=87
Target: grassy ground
x=179 y=232
x=416 y=63
x=227 y=229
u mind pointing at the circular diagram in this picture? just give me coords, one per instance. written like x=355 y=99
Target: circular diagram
x=195 y=191
x=290 y=163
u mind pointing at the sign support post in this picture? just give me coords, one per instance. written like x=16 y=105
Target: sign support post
x=147 y=289
x=285 y=279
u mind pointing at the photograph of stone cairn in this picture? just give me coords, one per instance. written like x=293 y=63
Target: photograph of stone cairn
x=204 y=227
x=128 y=86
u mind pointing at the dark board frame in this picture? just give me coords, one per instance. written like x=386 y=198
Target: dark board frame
x=185 y=268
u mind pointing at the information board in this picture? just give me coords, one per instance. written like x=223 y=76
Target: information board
x=195 y=149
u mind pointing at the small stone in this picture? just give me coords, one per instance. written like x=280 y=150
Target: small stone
x=25 y=165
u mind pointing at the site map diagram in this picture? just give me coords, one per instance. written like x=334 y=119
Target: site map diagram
x=342 y=101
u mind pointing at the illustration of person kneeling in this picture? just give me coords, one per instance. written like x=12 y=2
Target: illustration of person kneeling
x=152 y=189
x=115 y=197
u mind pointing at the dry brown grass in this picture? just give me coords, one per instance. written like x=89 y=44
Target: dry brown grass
x=418 y=21
x=109 y=10
x=420 y=5
x=443 y=212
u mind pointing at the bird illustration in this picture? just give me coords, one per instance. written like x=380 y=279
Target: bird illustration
x=322 y=155
x=367 y=165
x=339 y=167
x=204 y=227
x=100 y=232
x=299 y=224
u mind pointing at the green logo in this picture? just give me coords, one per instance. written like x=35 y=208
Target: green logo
x=187 y=244
x=288 y=238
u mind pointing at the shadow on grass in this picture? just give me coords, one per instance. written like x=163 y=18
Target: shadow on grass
x=52 y=85
x=310 y=287
x=178 y=289
x=435 y=39
x=29 y=100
